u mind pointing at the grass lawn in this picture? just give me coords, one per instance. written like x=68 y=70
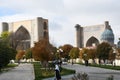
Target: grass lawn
x=41 y=73
x=104 y=66
x=8 y=67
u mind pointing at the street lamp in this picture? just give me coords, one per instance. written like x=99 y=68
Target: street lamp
x=59 y=51
x=85 y=58
x=114 y=52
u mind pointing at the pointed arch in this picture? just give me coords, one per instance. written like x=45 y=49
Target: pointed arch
x=92 y=41
x=23 y=38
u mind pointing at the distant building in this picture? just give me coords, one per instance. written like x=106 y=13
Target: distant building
x=90 y=36
x=118 y=44
x=28 y=31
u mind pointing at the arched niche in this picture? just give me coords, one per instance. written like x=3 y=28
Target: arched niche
x=92 y=41
x=23 y=38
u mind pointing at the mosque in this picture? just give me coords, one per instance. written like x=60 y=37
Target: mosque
x=27 y=32
x=91 y=36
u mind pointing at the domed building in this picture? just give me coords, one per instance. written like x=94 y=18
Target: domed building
x=91 y=36
x=118 y=44
x=108 y=36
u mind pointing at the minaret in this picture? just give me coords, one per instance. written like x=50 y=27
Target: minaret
x=79 y=36
x=107 y=26
x=4 y=26
x=108 y=34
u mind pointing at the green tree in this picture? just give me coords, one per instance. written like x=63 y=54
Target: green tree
x=74 y=53
x=28 y=54
x=84 y=54
x=103 y=51
x=5 y=37
x=6 y=54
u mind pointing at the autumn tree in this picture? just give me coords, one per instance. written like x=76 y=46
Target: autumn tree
x=74 y=53
x=84 y=54
x=103 y=50
x=42 y=51
x=66 y=49
x=20 y=55
x=92 y=54
x=112 y=56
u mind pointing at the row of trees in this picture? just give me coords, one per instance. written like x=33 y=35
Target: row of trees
x=44 y=51
x=103 y=52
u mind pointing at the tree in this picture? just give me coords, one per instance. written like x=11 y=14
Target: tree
x=111 y=56
x=84 y=54
x=14 y=40
x=103 y=50
x=20 y=55
x=66 y=49
x=92 y=54
x=6 y=54
x=28 y=54
x=5 y=37
x=74 y=53
x=42 y=51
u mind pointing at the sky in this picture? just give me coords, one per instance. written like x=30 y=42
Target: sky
x=63 y=15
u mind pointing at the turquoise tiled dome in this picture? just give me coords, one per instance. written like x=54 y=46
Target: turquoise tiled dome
x=107 y=35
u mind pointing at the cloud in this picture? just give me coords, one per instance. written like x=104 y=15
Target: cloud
x=64 y=14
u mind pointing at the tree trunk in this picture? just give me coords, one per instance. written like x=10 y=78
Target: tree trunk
x=72 y=61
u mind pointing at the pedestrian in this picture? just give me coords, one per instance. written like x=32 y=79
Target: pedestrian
x=57 y=73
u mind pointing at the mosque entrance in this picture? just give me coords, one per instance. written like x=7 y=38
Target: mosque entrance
x=22 y=38
x=92 y=42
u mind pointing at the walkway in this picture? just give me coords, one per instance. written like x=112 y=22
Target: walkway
x=94 y=73
x=22 y=72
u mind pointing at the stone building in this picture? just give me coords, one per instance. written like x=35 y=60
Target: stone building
x=118 y=44
x=27 y=32
x=91 y=36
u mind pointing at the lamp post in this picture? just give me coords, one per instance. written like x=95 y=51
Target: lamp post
x=85 y=58
x=59 y=51
x=114 y=52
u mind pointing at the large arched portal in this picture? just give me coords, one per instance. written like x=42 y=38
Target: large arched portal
x=92 y=42
x=22 y=38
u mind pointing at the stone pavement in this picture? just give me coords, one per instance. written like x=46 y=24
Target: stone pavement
x=94 y=73
x=22 y=72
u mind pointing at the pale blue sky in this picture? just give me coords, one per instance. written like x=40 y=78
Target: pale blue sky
x=63 y=15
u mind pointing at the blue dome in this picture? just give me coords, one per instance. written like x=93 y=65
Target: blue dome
x=107 y=35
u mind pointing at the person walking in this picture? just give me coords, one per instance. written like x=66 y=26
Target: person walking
x=57 y=73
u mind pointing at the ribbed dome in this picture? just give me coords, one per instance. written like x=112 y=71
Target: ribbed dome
x=108 y=35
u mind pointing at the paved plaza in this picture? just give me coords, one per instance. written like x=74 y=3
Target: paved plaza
x=94 y=73
x=26 y=72
x=21 y=72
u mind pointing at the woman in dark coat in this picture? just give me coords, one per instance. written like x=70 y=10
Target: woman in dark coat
x=57 y=73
